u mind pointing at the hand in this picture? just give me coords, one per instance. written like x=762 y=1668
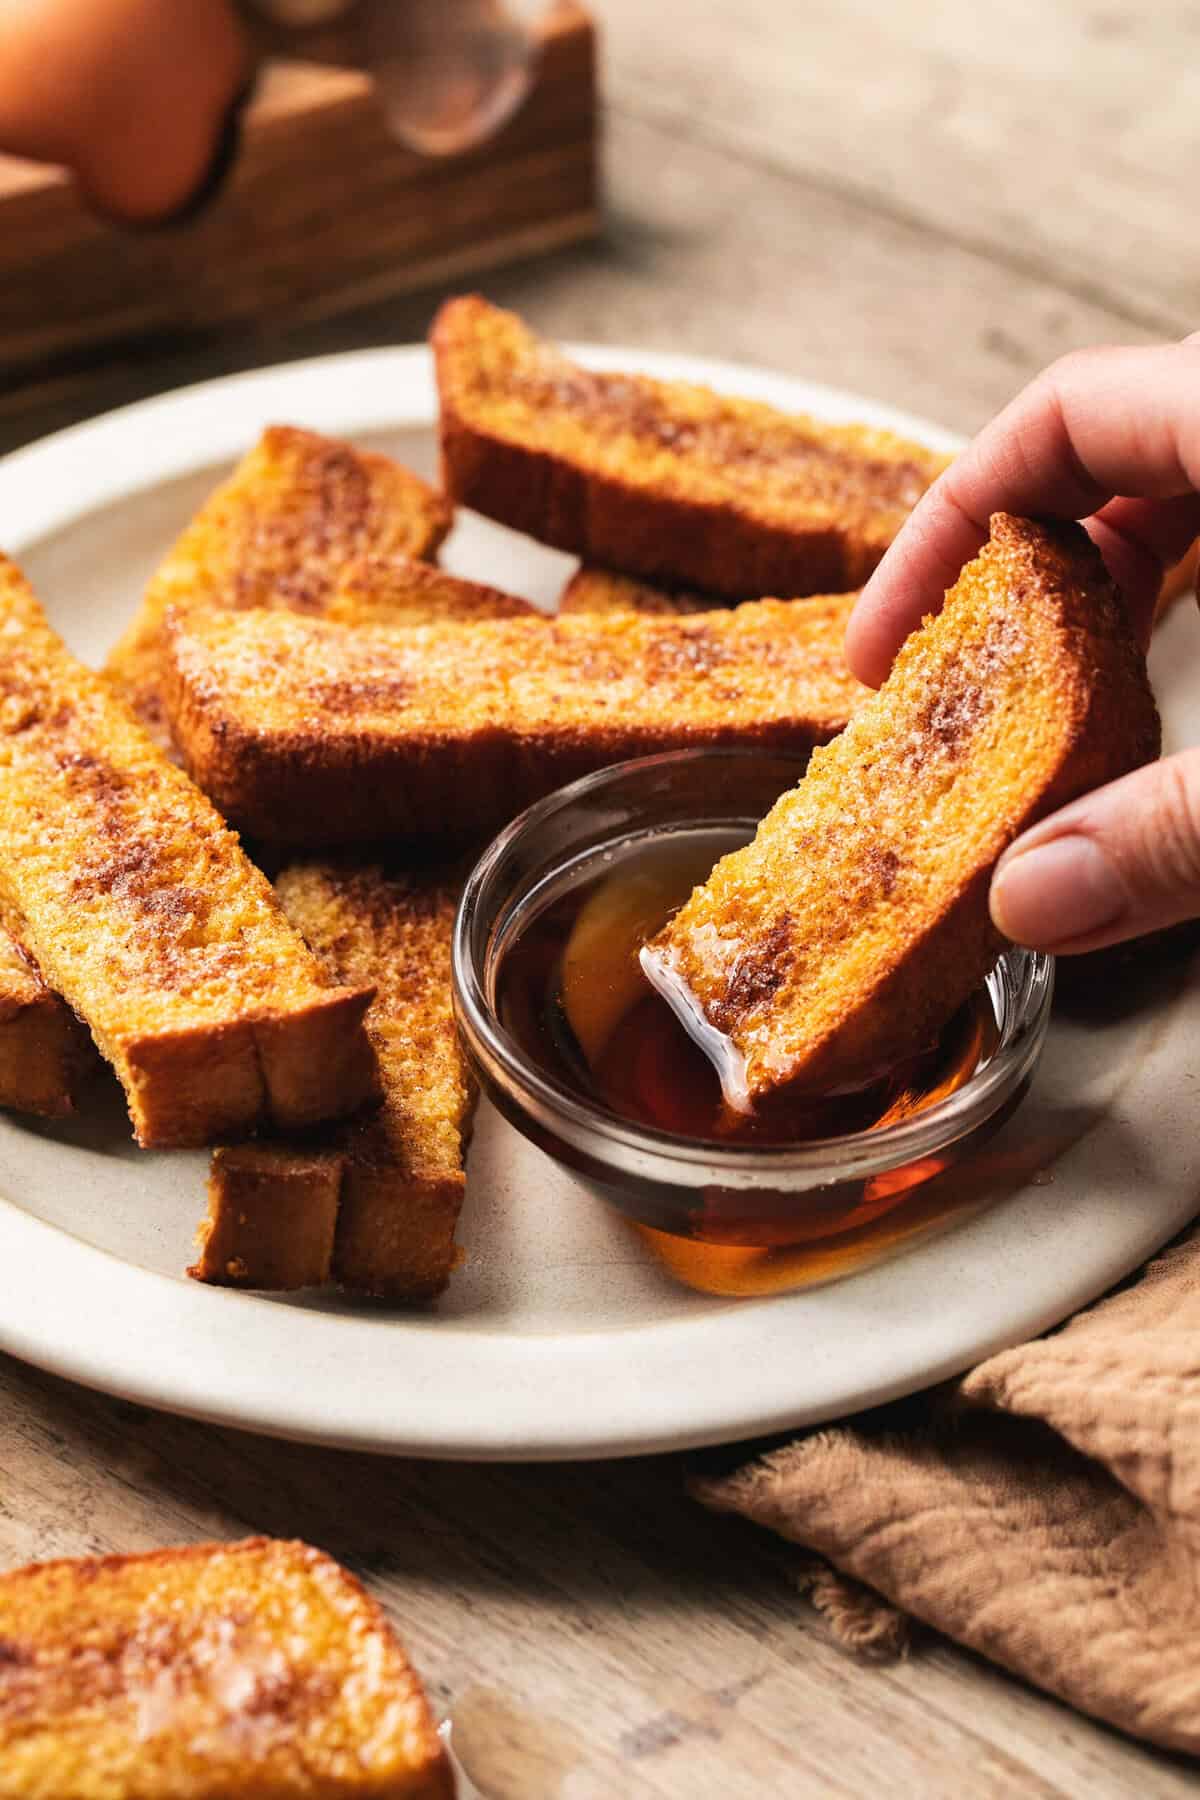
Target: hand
x=1111 y=437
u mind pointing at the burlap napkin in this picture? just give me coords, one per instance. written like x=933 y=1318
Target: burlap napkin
x=1044 y=1510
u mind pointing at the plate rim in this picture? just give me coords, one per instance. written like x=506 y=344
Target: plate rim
x=533 y=1379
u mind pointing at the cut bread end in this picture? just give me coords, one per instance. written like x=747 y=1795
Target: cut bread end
x=46 y=1055
x=395 y=1230
x=395 y=1179
x=289 y=1070
x=271 y=1218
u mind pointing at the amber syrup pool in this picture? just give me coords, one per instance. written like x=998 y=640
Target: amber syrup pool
x=571 y=992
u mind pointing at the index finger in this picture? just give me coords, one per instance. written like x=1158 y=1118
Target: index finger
x=1097 y=424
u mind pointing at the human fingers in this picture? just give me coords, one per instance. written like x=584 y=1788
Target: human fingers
x=1139 y=540
x=1096 y=424
x=1115 y=864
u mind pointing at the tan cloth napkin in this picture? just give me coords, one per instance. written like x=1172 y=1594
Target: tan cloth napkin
x=1044 y=1510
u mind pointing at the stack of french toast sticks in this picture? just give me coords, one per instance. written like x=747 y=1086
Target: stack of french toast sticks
x=301 y=672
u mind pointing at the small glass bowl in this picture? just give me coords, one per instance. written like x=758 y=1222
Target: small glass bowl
x=728 y=1195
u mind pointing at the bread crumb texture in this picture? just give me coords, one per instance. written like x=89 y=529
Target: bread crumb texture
x=143 y=912
x=593 y=590
x=856 y=922
x=375 y=1204
x=403 y=1181
x=663 y=478
x=310 y=733
x=258 y=1668
x=279 y=533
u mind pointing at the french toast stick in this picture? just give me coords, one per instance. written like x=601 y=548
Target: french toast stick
x=46 y=1055
x=403 y=1180
x=271 y=1218
x=400 y=590
x=251 y=530
x=141 y=910
x=273 y=1208
x=208 y=1672
x=597 y=591
x=856 y=922
x=594 y=590
x=397 y=1176
x=661 y=478
x=308 y=733
x=278 y=533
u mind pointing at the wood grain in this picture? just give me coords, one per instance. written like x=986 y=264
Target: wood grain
x=925 y=204
x=605 y=1636
x=1048 y=138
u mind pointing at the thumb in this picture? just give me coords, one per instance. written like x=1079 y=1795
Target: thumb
x=1119 y=862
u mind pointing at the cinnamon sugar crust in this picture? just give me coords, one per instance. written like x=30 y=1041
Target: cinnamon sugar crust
x=661 y=479
x=856 y=923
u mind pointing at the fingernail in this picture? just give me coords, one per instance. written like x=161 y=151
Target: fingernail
x=1056 y=892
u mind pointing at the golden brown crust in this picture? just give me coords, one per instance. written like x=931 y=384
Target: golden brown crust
x=142 y=911
x=399 y=590
x=395 y=1234
x=663 y=479
x=271 y=1218
x=309 y=733
x=279 y=533
x=593 y=590
x=857 y=922
x=204 y=1672
x=46 y=1055
x=398 y=1175
x=403 y=1184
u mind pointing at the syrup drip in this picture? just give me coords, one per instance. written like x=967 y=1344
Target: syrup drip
x=574 y=991
x=721 y=1051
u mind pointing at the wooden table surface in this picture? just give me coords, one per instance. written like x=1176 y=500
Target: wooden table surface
x=924 y=203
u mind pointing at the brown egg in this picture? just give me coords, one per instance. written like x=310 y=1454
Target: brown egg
x=132 y=95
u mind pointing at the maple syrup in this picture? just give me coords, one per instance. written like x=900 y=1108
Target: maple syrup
x=571 y=991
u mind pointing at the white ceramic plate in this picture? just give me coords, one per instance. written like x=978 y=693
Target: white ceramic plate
x=560 y=1338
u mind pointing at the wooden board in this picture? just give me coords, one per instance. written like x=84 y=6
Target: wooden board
x=324 y=210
